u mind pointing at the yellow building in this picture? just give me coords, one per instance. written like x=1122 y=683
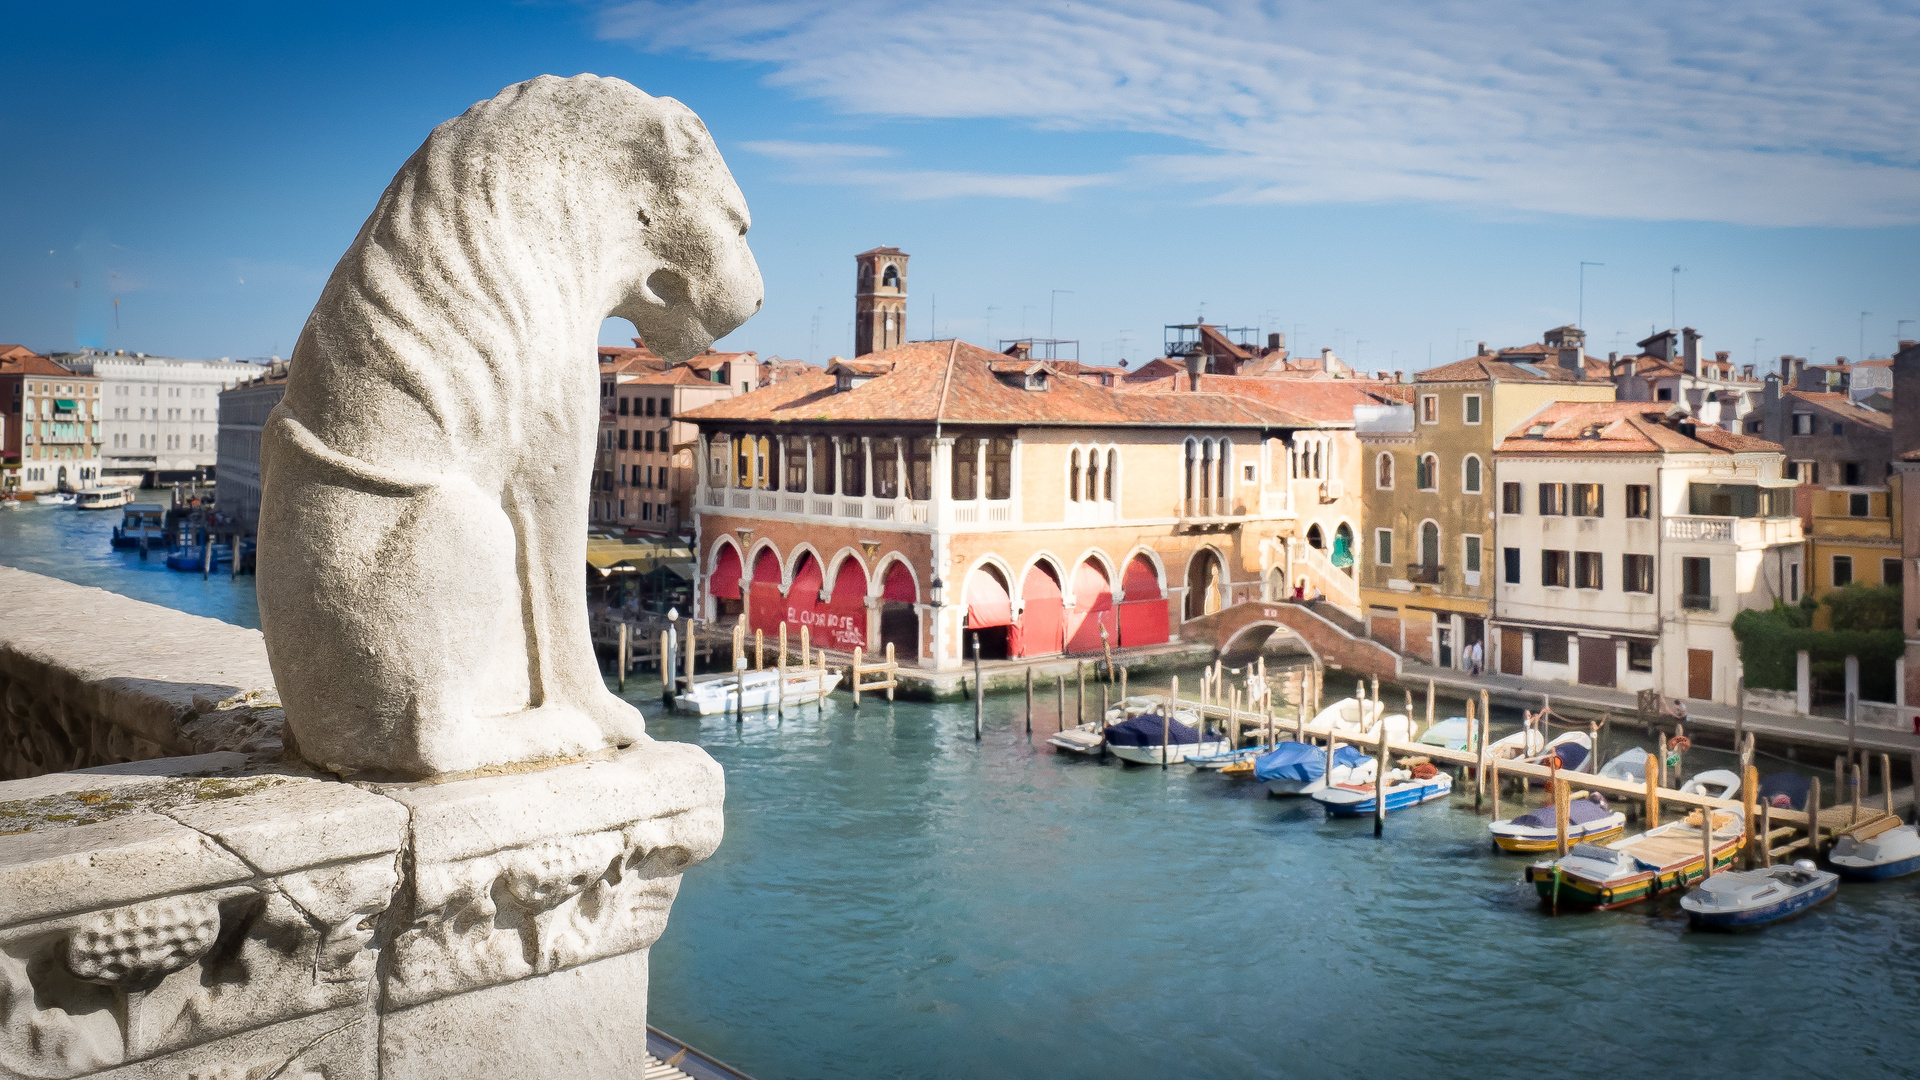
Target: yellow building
x=1430 y=505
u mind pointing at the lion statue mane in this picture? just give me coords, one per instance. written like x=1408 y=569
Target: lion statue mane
x=422 y=534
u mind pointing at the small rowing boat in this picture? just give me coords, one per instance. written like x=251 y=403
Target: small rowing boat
x=1640 y=867
x=1404 y=789
x=1629 y=767
x=1086 y=739
x=1588 y=819
x=756 y=690
x=1716 y=783
x=1453 y=733
x=1748 y=899
x=1877 y=851
x=1572 y=749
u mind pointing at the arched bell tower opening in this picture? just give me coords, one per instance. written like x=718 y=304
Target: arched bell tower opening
x=879 y=300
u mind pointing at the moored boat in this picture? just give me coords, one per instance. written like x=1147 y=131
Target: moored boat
x=1630 y=766
x=1151 y=739
x=1748 y=899
x=1572 y=749
x=1453 y=733
x=1404 y=790
x=141 y=525
x=1715 y=783
x=1877 y=851
x=1084 y=739
x=1297 y=768
x=759 y=690
x=1640 y=867
x=1588 y=819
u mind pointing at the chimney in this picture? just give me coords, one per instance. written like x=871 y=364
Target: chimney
x=1690 y=350
x=1276 y=342
x=1196 y=363
x=1786 y=368
x=1906 y=392
x=1400 y=375
x=1811 y=379
x=1571 y=363
x=1483 y=350
x=1696 y=399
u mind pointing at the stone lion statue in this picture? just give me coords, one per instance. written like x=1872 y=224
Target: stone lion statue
x=423 y=520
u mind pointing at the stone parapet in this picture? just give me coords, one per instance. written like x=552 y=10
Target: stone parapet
x=91 y=678
x=187 y=917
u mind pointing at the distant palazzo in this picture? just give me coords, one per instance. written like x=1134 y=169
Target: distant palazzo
x=935 y=493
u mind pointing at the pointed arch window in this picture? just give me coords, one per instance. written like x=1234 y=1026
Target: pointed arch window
x=1427 y=473
x=1073 y=478
x=1383 y=472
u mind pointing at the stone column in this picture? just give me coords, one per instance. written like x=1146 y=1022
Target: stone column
x=940 y=514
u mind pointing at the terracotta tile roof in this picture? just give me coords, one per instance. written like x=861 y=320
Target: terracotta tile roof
x=882 y=251
x=1482 y=368
x=20 y=360
x=1323 y=401
x=954 y=382
x=1842 y=406
x=677 y=376
x=865 y=365
x=1622 y=427
x=709 y=360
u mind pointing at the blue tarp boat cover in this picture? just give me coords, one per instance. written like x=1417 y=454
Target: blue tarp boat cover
x=1302 y=762
x=1571 y=754
x=1144 y=730
x=1794 y=786
x=1579 y=812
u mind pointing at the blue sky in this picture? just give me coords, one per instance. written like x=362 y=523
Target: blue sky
x=1394 y=181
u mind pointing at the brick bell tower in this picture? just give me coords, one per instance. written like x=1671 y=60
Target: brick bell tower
x=879 y=300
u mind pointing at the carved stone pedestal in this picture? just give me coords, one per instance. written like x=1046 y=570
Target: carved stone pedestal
x=172 y=919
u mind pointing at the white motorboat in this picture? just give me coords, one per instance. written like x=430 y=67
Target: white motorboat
x=723 y=694
x=1713 y=783
x=1588 y=818
x=1744 y=899
x=1452 y=733
x=1151 y=739
x=105 y=498
x=1403 y=790
x=1877 y=851
x=1296 y=768
x=1349 y=717
x=1573 y=749
x=1629 y=767
x=1523 y=743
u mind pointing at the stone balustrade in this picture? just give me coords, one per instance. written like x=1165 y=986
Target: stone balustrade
x=237 y=915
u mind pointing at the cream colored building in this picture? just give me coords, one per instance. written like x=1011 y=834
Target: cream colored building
x=1627 y=542
x=159 y=414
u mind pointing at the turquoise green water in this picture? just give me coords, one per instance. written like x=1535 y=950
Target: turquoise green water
x=894 y=899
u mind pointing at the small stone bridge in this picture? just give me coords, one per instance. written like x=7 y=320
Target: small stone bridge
x=1336 y=647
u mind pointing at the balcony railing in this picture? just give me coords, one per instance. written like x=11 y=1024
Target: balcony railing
x=1699 y=602
x=1424 y=573
x=1714 y=530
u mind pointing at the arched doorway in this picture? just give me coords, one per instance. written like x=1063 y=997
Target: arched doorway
x=1430 y=546
x=1039 y=631
x=1092 y=609
x=899 y=623
x=803 y=601
x=1276 y=584
x=1203 y=584
x=989 y=614
x=765 y=605
x=1143 y=611
x=847 y=607
x=723 y=584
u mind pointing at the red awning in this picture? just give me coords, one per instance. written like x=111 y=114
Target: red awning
x=987 y=601
x=899 y=585
x=724 y=582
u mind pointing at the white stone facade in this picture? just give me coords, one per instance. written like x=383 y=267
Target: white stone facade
x=1676 y=638
x=158 y=413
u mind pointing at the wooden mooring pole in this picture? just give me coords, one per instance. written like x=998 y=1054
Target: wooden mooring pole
x=620 y=656
x=1813 y=819
x=1060 y=700
x=1029 y=699
x=1166 y=722
x=1080 y=692
x=1380 y=777
x=979 y=690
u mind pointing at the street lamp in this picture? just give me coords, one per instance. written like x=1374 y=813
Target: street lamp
x=937 y=591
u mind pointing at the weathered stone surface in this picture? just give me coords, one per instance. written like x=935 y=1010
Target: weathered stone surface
x=91 y=678
x=301 y=823
x=525 y=874
x=342 y=1044
x=426 y=478
x=585 y=1023
x=112 y=862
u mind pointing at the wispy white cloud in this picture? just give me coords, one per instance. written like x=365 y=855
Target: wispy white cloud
x=829 y=163
x=1795 y=112
x=788 y=150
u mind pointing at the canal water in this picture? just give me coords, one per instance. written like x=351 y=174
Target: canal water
x=895 y=899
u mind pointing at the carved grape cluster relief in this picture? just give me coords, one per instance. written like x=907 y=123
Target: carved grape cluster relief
x=137 y=945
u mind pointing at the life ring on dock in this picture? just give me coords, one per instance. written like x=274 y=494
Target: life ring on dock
x=1680 y=744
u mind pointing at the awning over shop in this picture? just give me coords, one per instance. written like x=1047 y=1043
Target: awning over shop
x=638 y=556
x=66 y=405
